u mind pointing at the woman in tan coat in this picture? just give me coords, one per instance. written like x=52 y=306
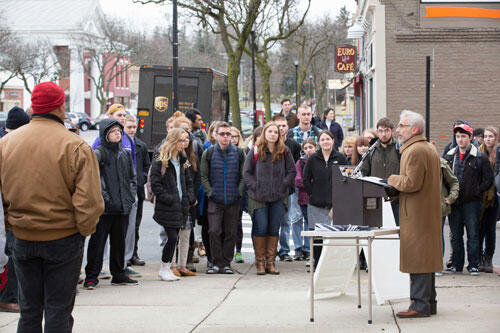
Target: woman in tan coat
x=419 y=214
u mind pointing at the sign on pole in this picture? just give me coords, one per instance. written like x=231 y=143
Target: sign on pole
x=345 y=59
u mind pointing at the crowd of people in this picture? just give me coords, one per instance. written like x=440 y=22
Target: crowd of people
x=280 y=176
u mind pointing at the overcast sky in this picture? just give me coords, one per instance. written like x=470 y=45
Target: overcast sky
x=150 y=15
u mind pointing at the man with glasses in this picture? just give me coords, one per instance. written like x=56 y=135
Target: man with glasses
x=383 y=160
x=418 y=182
x=222 y=180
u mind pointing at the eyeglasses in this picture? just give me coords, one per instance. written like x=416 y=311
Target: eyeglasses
x=383 y=131
x=224 y=134
x=234 y=137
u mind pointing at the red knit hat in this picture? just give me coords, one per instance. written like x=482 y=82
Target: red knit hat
x=46 y=97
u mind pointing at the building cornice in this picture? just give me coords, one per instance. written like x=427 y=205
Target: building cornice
x=449 y=35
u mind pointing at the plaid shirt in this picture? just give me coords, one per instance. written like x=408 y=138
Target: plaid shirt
x=298 y=135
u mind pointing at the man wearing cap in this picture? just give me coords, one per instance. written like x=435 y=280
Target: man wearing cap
x=475 y=176
x=51 y=194
x=8 y=296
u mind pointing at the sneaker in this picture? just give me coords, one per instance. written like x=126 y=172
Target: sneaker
x=238 y=258
x=90 y=285
x=438 y=274
x=130 y=272
x=285 y=257
x=126 y=281
x=299 y=255
x=103 y=275
x=213 y=270
x=306 y=255
x=227 y=270
x=473 y=271
x=451 y=270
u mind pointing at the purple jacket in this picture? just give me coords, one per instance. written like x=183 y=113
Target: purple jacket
x=299 y=184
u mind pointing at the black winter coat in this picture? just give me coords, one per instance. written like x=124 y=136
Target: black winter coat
x=143 y=162
x=171 y=211
x=118 y=179
x=317 y=177
x=477 y=176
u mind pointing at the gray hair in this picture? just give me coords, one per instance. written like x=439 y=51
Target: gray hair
x=414 y=119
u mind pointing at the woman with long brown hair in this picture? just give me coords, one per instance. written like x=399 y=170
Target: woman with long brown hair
x=490 y=207
x=269 y=172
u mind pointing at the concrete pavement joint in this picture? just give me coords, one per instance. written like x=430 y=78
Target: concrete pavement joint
x=394 y=316
x=11 y=322
x=223 y=300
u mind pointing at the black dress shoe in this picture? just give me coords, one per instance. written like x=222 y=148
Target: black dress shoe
x=136 y=261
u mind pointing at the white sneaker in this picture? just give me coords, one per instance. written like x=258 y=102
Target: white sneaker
x=165 y=273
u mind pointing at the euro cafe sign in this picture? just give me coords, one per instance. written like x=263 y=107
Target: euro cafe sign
x=345 y=59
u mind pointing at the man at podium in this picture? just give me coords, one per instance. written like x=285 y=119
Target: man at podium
x=418 y=182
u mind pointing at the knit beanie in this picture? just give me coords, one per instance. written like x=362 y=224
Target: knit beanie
x=115 y=107
x=46 y=97
x=16 y=118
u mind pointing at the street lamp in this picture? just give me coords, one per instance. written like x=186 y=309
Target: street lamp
x=296 y=63
x=311 y=87
x=255 y=120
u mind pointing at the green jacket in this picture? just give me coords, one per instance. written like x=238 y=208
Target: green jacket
x=383 y=162
x=449 y=187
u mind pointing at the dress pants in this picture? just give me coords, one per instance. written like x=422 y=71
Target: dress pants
x=423 y=293
x=222 y=229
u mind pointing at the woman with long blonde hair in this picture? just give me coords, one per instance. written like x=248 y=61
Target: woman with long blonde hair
x=173 y=190
x=269 y=172
x=490 y=207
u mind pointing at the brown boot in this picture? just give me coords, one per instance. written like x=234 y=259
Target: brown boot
x=259 y=245
x=272 y=245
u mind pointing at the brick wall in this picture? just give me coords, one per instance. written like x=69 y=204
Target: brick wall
x=465 y=72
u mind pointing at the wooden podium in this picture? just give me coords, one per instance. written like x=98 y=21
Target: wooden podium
x=357 y=201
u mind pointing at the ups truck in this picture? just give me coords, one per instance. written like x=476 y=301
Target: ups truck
x=202 y=88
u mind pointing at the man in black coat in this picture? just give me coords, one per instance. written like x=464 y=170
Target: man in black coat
x=142 y=163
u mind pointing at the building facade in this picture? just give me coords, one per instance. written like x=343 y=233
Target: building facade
x=68 y=26
x=463 y=40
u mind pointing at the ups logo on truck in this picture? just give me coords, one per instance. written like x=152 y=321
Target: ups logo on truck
x=161 y=103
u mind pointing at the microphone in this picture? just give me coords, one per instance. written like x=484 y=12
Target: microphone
x=375 y=142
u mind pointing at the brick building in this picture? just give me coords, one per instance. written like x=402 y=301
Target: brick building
x=463 y=39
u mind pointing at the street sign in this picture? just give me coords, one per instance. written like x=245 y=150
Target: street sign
x=337 y=84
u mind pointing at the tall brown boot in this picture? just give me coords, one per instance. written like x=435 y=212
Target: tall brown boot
x=259 y=246
x=272 y=245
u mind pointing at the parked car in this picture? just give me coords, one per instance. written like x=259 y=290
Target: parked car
x=85 y=122
x=73 y=117
x=3 y=119
x=71 y=126
x=99 y=118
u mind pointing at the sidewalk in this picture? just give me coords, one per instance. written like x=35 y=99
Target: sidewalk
x=249 y=303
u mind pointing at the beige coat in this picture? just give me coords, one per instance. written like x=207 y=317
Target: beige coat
x=419 y=207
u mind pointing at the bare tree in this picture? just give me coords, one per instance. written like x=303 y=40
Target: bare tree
x=8 y=52
x=233 y=20
x=278 y=21
x=108 y=53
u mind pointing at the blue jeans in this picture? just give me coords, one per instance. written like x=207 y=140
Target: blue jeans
x=47 y=273
x=487 y=229
x=292 y=215
x=266 y=221
x=298 y=241
x=465 y=215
